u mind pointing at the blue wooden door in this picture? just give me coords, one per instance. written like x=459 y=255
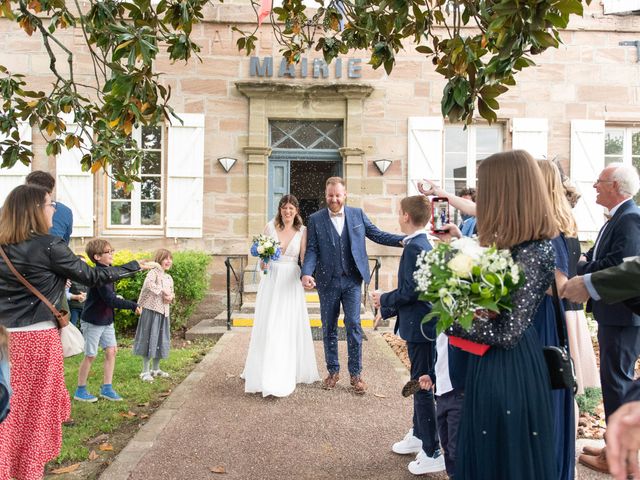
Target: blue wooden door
x=279 y=177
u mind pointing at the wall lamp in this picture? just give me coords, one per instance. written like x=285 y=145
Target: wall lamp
x=382 y=165
x=227 y=163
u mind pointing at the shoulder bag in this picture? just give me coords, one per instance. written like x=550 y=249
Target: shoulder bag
x=560 y=364
x=71 y=338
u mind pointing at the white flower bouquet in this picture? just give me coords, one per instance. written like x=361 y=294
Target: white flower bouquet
x=462 y=278
x=265 y=247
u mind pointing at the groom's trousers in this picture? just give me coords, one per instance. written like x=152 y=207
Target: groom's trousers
x=347 y=291
x=422 y=358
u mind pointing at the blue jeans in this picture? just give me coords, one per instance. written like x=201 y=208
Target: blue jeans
x=75 y=316
x=422 y=357
x=348 y=292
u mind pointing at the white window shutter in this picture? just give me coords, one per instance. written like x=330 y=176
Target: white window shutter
x=74 y=187
x=10 y=178
x=530 y=134
x=587 y=161
x=425 y=151
x=185 y=176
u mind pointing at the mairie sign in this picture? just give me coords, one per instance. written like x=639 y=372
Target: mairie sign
x=315 y=68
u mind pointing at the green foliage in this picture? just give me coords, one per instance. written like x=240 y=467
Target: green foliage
x=190 y=281
x=588 y=402
x=123 y=39
x=479 y=62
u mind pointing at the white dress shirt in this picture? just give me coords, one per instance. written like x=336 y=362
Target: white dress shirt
x=337 y=220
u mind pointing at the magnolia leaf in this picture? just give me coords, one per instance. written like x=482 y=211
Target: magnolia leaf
x=93 y=455
x=218 y=469
x=69 y=469
x=105 y=447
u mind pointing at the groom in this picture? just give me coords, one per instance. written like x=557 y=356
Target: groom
x=336 y=252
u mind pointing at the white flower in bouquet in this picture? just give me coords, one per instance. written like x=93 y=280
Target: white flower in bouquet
x=461 y=277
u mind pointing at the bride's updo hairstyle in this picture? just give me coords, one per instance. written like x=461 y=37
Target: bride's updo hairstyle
x=513 y=205
x=297 y=221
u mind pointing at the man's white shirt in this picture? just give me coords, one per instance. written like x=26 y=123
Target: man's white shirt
x=338 y=220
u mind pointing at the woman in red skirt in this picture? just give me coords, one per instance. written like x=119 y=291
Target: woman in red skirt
x=31 y=435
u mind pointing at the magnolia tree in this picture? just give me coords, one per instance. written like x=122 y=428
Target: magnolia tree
x=478 y=46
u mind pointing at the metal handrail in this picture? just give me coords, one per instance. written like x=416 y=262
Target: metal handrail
x=239 y=283
x=375 y=274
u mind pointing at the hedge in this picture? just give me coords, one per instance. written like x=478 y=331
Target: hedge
x=190 y=280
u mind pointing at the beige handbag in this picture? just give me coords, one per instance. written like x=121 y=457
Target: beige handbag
x=71 y=338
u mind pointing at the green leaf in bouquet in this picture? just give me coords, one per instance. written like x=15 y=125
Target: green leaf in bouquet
x=466 y=321
x=489 y=304
x=475 y=287
x=504 y=291
x=476 y=271
x=492 y=278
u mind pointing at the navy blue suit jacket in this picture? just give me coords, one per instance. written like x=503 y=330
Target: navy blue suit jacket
x=322 y=255
x=620 y=239
x=403 y=301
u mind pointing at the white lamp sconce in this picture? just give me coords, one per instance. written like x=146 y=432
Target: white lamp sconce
x=382 y=165
x=227 y=163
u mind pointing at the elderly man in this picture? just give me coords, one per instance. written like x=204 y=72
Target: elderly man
x=618 y=326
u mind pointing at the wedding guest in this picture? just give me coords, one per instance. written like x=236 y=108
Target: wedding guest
x=404 y=304
x=618 y=325
x=580 y=344
x=506 y=431
x=153 y=334
x=97 y=326
x=31 y=435
x=546 y=323
x=63 y=217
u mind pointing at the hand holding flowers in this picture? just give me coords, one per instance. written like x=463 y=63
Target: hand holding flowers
x=267 y=248
x=462 y=278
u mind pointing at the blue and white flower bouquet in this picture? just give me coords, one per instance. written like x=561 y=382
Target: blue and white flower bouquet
x=465 y=282
x=267 y=248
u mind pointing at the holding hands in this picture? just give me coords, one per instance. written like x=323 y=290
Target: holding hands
x=375 y=298
x=308 y=282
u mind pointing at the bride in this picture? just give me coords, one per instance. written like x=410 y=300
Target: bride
x=281 y=352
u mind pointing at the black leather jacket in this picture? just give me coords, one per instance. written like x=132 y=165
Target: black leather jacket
x=46 y=262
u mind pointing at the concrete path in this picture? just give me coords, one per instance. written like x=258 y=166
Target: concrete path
x=209 y=422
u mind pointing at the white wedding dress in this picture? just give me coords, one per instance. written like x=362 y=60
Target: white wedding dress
x=281 y=352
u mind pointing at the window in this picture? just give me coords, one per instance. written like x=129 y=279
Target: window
x=622 y=145
x=464 y=149
x=142 y=206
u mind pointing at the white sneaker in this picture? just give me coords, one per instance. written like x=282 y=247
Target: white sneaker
x=408 y=445
x=160 y=373
x=146 y=377
x=423 y=464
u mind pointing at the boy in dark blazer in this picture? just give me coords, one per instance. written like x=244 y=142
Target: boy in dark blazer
x=403 y=303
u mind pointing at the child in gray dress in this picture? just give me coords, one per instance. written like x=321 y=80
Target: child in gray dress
x=153 y=335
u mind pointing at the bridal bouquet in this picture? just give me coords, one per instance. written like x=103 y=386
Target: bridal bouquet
x=461 y=277
x=265 y=247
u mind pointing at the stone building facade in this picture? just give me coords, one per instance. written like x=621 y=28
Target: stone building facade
x=288 y=128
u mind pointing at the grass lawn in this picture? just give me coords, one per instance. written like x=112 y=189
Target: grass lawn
x=119 y=420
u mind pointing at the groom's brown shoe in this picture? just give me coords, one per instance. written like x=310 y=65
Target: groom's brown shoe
x=330 y=382
x=359 y=387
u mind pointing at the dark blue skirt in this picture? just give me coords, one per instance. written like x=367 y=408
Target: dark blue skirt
x=506 y=430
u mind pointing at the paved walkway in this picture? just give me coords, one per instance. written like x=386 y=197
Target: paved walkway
x=208 y=421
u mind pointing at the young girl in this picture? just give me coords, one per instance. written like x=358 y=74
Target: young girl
x=5 y=387
x=152 y=335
